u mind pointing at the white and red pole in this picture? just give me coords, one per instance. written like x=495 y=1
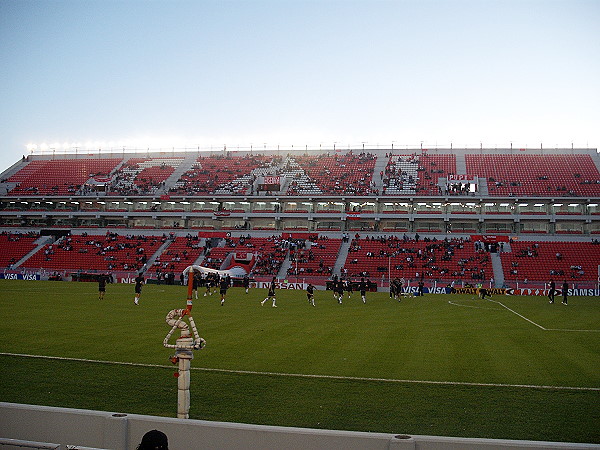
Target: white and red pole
x=183 y=346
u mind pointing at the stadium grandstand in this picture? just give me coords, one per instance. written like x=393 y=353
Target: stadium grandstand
x=508 y=217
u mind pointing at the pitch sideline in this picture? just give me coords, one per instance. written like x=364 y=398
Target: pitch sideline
x=301 y=375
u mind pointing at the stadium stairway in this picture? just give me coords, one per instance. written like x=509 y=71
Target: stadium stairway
x=118 y=167
x=380 y=166
x=115 y=170
x=596 y=159
x=341 y=259
x=199 y=260
x=13 y=169
x=483 y=186
x=461 y=164
x=185 y=165
x=6 y=187
x=283 y=270
x=40 y=242
x=159 y=251
x=497 y=267
x=201 y=257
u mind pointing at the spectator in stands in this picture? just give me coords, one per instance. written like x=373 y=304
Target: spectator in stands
x=154 y=440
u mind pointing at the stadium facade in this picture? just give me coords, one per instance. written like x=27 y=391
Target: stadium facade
x=487 y=195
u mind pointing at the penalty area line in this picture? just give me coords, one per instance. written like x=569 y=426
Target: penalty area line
x=521 y=316
x=311 y=376
x=475 y=307
x=539 y=326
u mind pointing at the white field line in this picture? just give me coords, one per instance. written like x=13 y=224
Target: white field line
x=538 y=325
x=474 y=307
x=302 y=375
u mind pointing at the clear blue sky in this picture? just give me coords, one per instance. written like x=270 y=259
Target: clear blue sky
x=298 y=72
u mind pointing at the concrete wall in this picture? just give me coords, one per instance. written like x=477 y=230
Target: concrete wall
x=105 y=430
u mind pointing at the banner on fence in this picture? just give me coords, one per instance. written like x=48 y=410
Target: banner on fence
x=492 y=291
x=20 y=276
x=279 y=285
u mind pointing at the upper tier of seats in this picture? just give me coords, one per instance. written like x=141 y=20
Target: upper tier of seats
x=142 y=176
x=221 y=175
x=537 y=175
x=63 y=177
x=344 y=174
x=338 y=174
x=416 y=174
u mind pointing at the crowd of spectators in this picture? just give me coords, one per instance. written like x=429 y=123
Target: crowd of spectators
x=226 y=174
x=349 y=173
x=142 y=176
x=431 y=258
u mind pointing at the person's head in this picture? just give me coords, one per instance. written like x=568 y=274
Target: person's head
x=154 y=440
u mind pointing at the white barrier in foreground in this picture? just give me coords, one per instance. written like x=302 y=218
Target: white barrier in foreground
x=105 y=430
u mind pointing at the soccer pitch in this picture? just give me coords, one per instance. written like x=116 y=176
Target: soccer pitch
x=513 y=367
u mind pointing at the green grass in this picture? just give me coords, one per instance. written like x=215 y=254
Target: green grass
x=428 y=339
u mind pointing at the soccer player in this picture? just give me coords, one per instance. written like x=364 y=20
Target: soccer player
x=139 y=281
x=195 y=282
x=334 y=288
x=393 y=289
x=397 y=289
x=552 y=291
x=215 y=283
x=102 y=280
x=408 y=293
x=483 y=292
x=420 y=287
x=565 y=292
x=223 y=286
x=339 y=289
x=349 y=287
x=271 y=294
x=310 y=294
x=208 y=283
x=246 y=283
x=362 y=287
